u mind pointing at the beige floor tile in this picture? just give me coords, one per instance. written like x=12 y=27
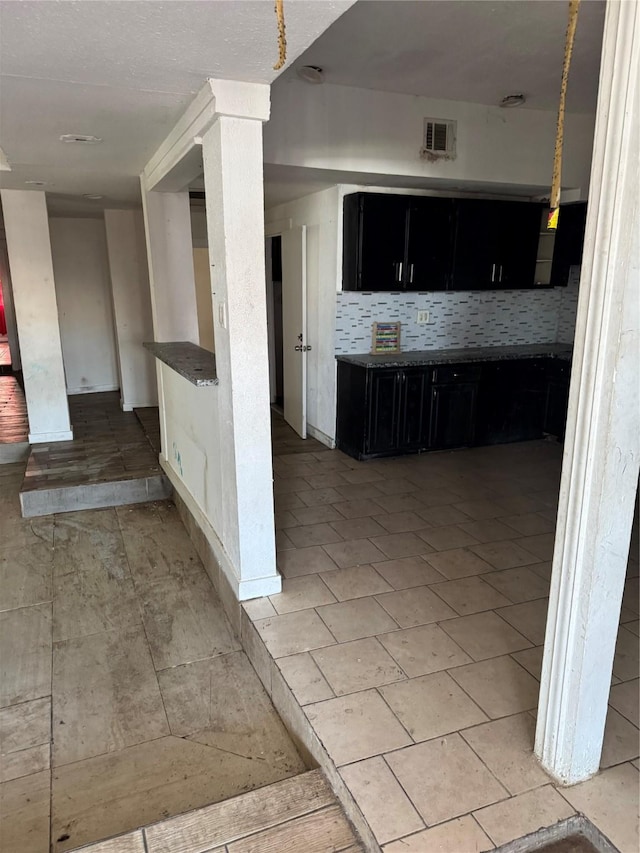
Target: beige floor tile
x=313 y=534
x=415 y=606
x=400 y=503
x=435 y=496
x=625 y=698
x=401 y=522
x=358 y=528
x=118 y=792
x=356 y=552
x=358 y=508
x=500 y=686
x=439 y=516
x=323 y=481
x=363 y=474
x=318 y=497
x=25 y=725
x=132 y=842
x=455 y=836
x=304 y=678
x=301 y=593
x=92 y=601
x=357 y=726
x=24 y=806
x=523 y=814
x=610 y=800
x=386 y=807
x=287 y=502
x=519 y=585
x=221 y=703
x=408 y=572
x=25 y=576
x=541 y=546
x=359 y=665
x=23 y=533
x=448 y=537
x=469 y=595
x=485 y=635
x=25 y=762
x=295 y=632
x=105 y=695
x=444 y=778
x=530 y=524
x=506 y=747
x=529 y=618
x=488 y=530
x=458 y=563
x=355 y=582
x=259 y=608
x=531 y=660
x=504 y=555
x=395 y=545
x=283 y=543
x=183 y=618
x=626 y=662
x=424 y=649
x=314 y=515
x=478 y=510
x=305 y=561
x=287 y=485
x=621 y=740
x=431 y=705
x=25 y=654
x=89 y=539
x=356 y=619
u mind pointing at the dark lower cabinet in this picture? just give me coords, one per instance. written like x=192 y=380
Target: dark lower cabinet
x=390 y=411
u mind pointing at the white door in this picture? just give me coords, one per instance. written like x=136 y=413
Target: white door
x=294 y=328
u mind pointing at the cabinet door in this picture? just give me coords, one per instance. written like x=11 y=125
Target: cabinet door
x=415 y=409
x=430 y=244
x=496 y=244
x=452 y=415
x=567 y=249
x=381 y=242
x=511 y=401
x=384 y=410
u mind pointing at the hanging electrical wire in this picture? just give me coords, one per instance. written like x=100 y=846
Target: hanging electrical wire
x=282 y=38
x=557 y=157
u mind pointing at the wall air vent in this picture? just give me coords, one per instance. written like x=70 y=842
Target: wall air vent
x=439 y=141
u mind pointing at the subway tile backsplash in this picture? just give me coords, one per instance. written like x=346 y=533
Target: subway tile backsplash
x=458 y=319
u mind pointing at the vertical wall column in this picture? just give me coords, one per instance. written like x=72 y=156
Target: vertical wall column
x=29 y=249
x=167 y=223
x=602 y=446
x=131 y=307
x=232 y=152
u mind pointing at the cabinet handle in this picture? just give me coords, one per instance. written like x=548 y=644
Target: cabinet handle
x=411 y=268
x=501 y=268
x=493 y=272
x=400 y=271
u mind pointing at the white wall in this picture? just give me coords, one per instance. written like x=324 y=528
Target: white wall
x=359 y=130
x=320 y=213
x=131 y=307
x=80 y=265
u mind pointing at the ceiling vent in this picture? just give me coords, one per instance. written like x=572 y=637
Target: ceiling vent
x=439 y=142
x=80 y=137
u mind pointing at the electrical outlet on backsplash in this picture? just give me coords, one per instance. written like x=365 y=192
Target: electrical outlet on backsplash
x=458 y=319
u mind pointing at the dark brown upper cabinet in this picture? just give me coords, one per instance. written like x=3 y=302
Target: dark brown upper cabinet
x=567 y=249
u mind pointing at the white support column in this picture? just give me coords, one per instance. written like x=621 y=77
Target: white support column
x=602 y=447
x=29 y=248
x=131 y=307
x=232 y=152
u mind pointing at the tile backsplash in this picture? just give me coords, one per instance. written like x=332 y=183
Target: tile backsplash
x=459 y=319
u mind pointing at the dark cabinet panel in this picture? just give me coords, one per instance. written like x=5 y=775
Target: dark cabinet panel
x=496 y=244
x=429 y=244
x=452 y=415
x=511 y=401
x=374 y=246
x=555 y=415
x=416 y=409
x=567 y=249
x=384 y=411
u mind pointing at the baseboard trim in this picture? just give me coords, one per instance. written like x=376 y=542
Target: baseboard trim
x=320 y=436
x=45 y=437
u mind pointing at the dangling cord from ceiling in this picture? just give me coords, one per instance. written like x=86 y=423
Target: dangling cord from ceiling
x=282 y=38
x=557 y=157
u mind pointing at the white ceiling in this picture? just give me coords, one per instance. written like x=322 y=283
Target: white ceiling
x=124 y=70
x=463 y=50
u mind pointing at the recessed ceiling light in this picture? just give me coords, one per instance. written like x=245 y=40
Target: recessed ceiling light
x=92 y=196
x=310 y=73
x=37 y=183
x=79 y=137
x=513 y=100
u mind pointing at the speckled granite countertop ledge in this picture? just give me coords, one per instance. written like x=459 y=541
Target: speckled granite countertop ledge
x=196 y=364
x=458 y=356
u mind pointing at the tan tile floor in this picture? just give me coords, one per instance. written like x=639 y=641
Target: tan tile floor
x=416 y=652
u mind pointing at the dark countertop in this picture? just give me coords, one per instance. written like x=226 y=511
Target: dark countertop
x=196 y=364
x=458 y=356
